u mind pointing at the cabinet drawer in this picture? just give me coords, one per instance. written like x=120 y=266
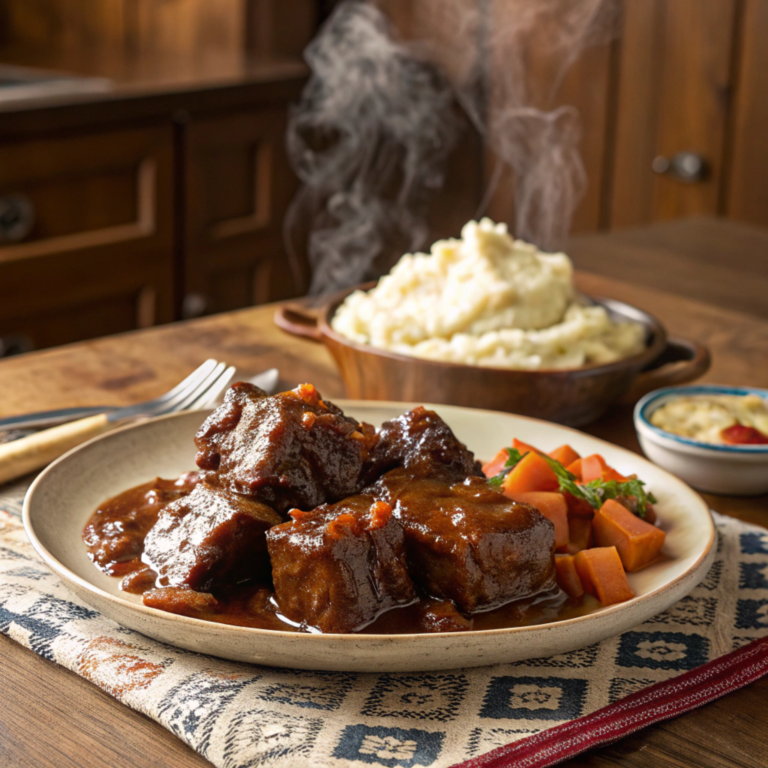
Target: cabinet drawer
x=238 y=186
x=86 y=234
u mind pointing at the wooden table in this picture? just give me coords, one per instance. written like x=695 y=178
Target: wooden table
x=705 y=279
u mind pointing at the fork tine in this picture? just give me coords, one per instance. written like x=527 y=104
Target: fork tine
x=208 y=399
x=193 y=378
x=183 y=403
x=183 y=389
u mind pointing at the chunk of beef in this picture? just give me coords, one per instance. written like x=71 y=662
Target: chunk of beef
x=288 y=450
x=139 y=581
x=423 y=443
x=441 y=616
x=114 y=536
x=182 y=601
x=246 y=606
x=339 y=566
x=466 y=542
x=211 y=538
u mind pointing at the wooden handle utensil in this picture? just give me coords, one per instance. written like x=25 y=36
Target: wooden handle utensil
x=34 y=451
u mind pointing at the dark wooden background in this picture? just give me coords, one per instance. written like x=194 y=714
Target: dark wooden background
x=165 y=200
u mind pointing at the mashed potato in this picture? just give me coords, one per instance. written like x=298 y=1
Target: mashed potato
x=486 y=299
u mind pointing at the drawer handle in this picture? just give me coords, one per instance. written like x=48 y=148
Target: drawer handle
x=688 y=167
x=17 y=216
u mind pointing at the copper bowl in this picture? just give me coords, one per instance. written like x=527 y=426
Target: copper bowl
x=572 y=396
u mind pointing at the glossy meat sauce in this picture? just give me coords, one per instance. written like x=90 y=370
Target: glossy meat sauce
x=115 y=540
x=302 y=518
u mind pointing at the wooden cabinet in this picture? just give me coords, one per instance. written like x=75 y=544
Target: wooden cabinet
x=673 y=110
x=86 y=234
x=674 y=89
x=162 y=196
x=237 y=187
x=746 y=195
x=108 y=231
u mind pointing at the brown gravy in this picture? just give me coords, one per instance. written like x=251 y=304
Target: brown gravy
x=114 y=537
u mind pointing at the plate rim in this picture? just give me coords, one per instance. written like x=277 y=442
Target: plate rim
x=66 y=574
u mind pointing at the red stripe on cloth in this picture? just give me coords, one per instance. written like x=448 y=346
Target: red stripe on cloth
x=658 y=702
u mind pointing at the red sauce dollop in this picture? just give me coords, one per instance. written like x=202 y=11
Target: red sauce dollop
x=738 y=434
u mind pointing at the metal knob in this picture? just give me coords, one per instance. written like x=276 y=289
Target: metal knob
x=194 y=305
x=687 y=167
x=17 y=216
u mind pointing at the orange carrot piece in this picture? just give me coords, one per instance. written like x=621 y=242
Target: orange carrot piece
x=602 y=575
x=636 y=541
x=532 y=473
x=611 y=474
x=553 y=507
x=578 y=507
x=565 y=455
x=579 y=534
x=594 y=467
x=575 y=469
x=568 y=578
x=496 y=464
x=525 y=447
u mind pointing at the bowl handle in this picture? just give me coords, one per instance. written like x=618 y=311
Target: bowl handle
x=298 y=321
x=680 y=362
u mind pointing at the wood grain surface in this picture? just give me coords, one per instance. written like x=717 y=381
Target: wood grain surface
x=51 y=717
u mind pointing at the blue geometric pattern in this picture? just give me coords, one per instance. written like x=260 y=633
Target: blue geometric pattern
x=43 y=622
x=690 y=611
x=534 y=698
x=662 y=650
x=419 y=697
x=192 y=708
x=246 y=716
x=259 y=737
x=394 y=747
x=753 y=576
x=752 y=614
x=754 y=543
x=309 y=690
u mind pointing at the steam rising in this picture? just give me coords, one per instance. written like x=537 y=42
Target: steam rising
x=368 y=140
x=376 y=123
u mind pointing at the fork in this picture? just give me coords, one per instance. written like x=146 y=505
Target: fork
x=199 y=389
x=267 y=380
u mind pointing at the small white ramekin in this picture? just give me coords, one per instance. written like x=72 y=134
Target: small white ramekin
x=734 y=470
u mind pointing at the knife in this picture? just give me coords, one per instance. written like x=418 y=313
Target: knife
x=268 y=381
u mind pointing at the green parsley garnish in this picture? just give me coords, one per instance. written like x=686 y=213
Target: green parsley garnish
x=514 y=458
x=595 y=492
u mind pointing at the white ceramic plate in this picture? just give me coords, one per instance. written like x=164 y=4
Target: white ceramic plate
x=63 y=497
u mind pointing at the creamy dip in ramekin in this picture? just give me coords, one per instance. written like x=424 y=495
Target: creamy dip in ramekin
x=704 y=417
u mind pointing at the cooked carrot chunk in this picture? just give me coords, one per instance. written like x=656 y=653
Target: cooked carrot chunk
x=553 y=507
x=524 y=447
x=568 y=578
x=579 y=534
x=637 y=542
x=564 y=454
x=575 y=469
x=594 y=467
x=532 y=473
x=602 y=575
x=578 y=507
x=496 y=464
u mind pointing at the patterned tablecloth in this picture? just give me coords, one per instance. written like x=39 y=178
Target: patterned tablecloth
x=531 y=713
